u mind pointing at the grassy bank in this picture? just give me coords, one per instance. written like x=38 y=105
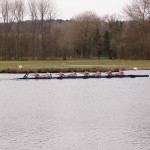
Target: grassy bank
x=69 y=65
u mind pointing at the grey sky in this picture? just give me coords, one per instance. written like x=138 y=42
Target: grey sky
x=70 y=8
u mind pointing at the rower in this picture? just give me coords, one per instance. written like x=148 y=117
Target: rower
x=86 y=73
x=36 y=75
x=61 y=74
x=109 y=72
x=48 y=75
x=72 y=74
x=120 y=72
x=97 y=73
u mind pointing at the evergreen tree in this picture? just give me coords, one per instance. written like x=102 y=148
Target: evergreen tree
x=106 y=45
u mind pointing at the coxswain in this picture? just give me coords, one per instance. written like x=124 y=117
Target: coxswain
x=26 y=75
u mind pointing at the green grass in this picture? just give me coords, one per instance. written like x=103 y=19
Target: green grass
x=82 y=62
x=68 y=65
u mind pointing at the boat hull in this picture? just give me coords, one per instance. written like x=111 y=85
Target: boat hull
x=87 y=77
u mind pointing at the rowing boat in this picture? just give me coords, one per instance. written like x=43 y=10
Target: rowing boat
x=87 y=77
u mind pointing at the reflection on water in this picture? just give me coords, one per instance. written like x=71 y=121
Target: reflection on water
x=80 y=114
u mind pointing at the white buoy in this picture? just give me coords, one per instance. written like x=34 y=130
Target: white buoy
x=135 y=68
x=20 y=66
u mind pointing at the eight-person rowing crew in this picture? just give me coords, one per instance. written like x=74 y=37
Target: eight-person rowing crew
x=73 y=74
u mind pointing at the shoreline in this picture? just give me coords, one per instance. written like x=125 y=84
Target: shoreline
x=77 y=65
x=79 y=68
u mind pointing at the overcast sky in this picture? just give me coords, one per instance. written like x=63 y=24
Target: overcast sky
x=69 y=8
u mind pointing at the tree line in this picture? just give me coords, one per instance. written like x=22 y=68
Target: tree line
x=84 y=36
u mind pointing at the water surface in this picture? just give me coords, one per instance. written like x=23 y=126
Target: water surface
x=75 y=114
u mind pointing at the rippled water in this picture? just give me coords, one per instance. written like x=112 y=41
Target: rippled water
x=75 y=114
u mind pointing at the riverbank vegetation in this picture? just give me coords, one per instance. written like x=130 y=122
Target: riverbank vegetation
x=84 y=36
x=77 y=65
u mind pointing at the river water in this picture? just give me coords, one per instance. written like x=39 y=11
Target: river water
x=75 y=114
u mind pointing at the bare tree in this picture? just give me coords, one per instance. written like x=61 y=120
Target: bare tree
x=6 y=11
x=138 y=10
x=33 y=16
x=42 y=14
x=19 y=10
x=138 y=31
x=87 y=28
x=51 y=15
